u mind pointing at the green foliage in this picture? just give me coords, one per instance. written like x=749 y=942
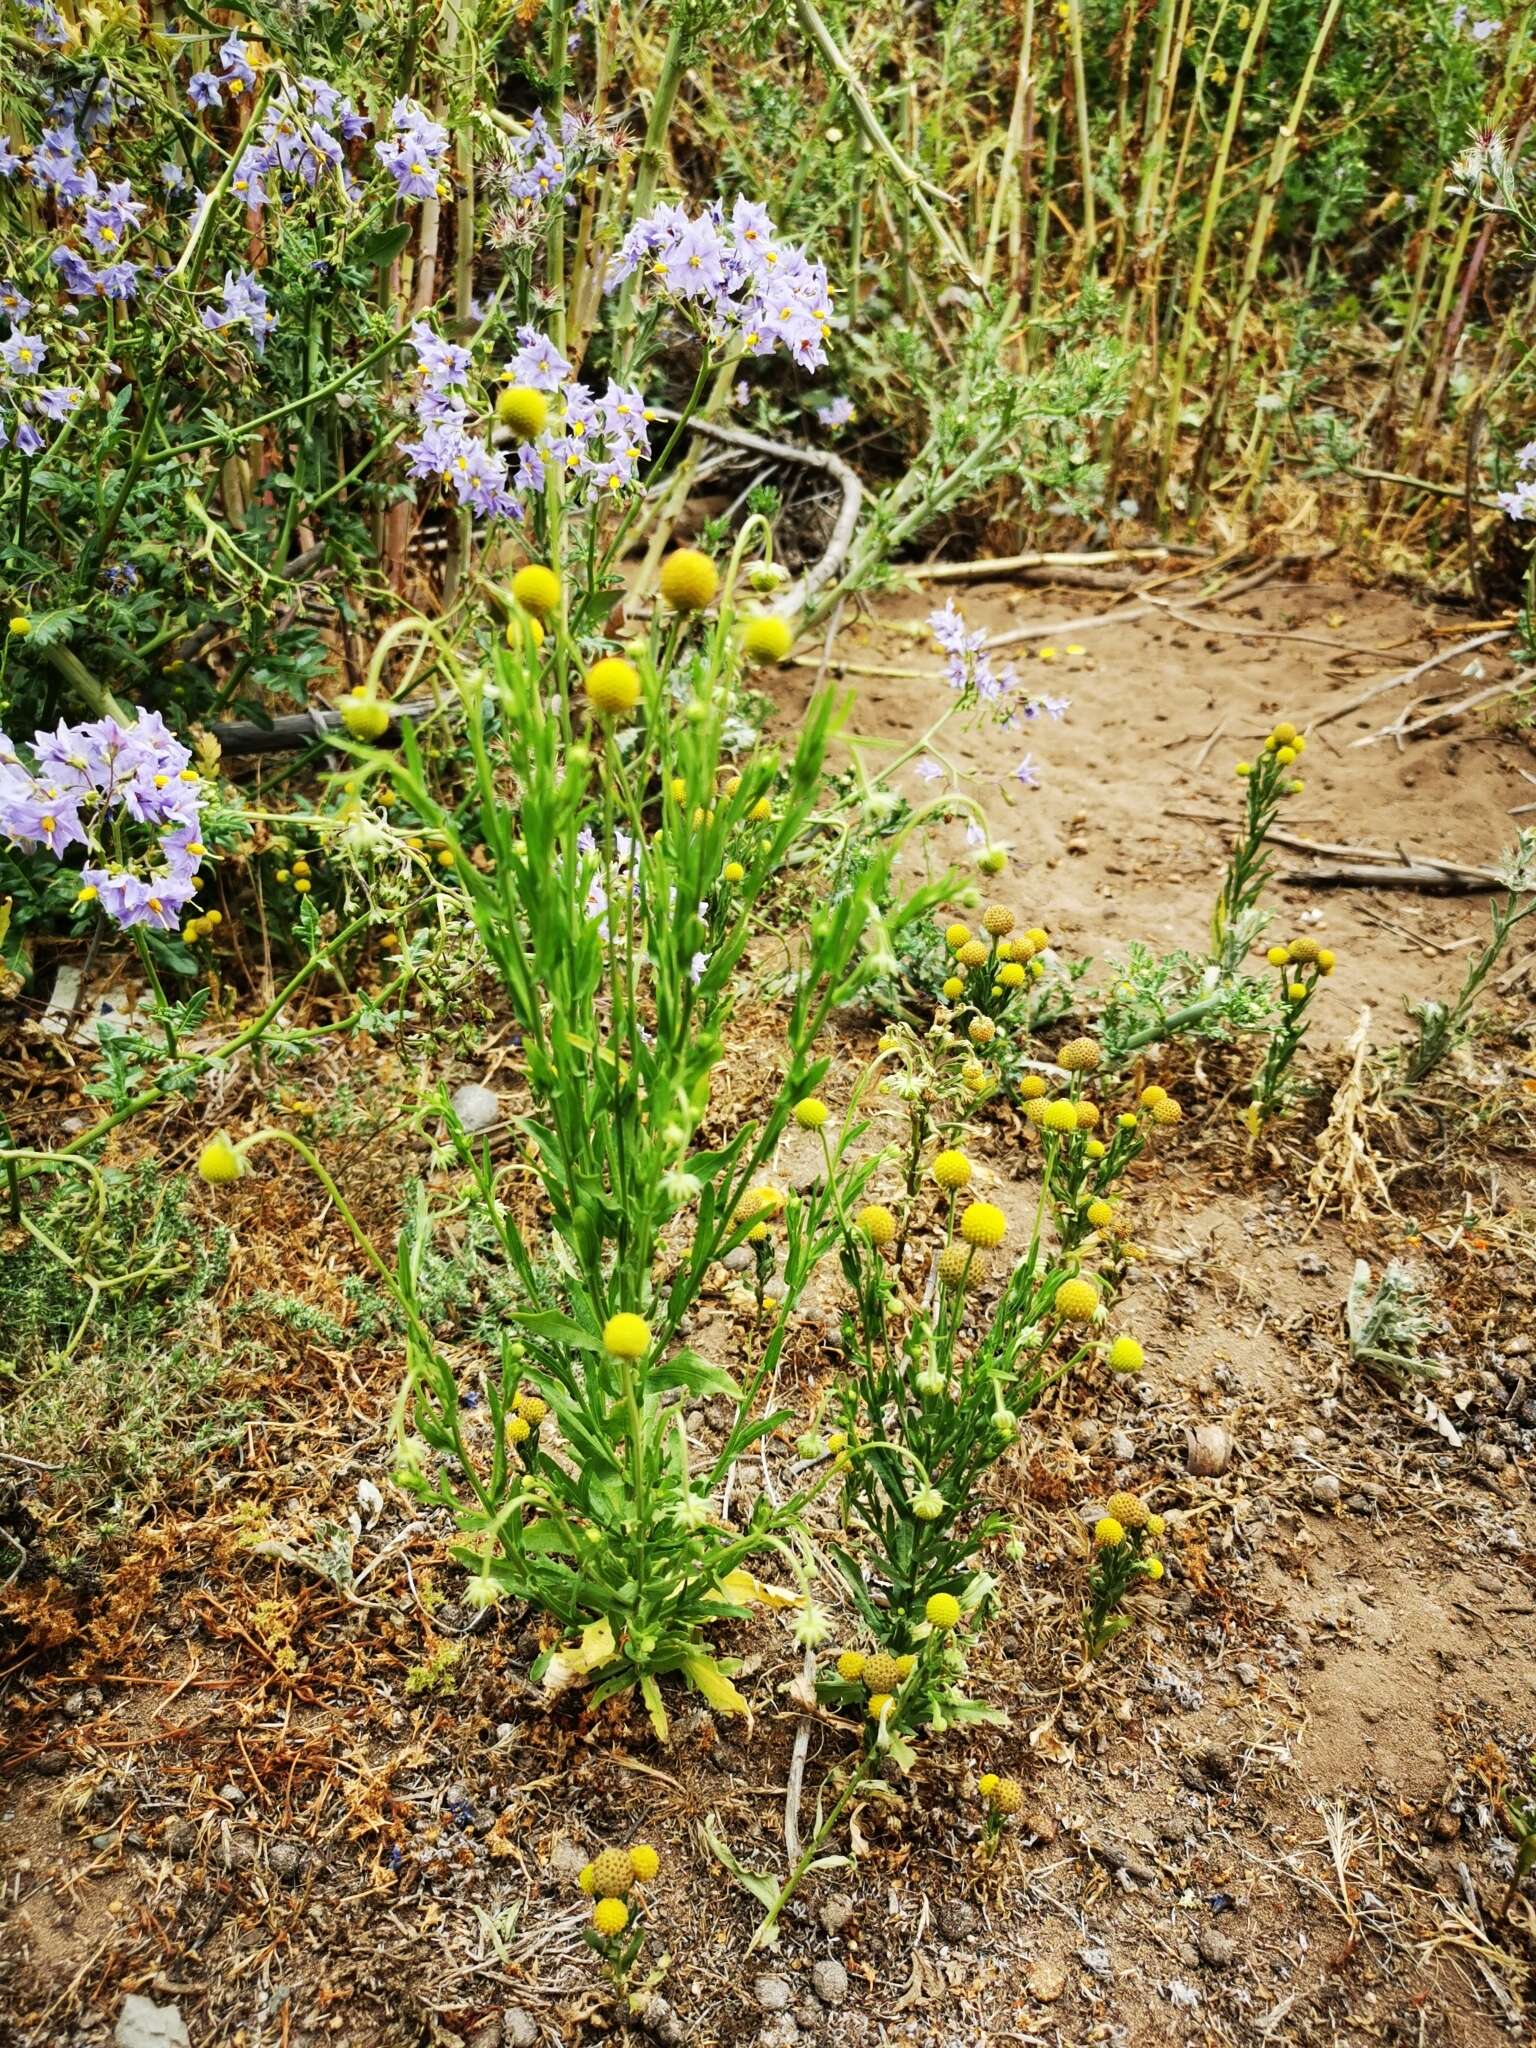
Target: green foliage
x=106 y=1266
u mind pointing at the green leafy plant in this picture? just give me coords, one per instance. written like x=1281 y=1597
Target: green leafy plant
x=1237 y=919
x=1441 y=1026
x=1122 y=1560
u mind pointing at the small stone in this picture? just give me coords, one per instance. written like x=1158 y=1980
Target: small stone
x=773 y=1994
x=232 y=1795
x=143 y=2024
x=779 y=2032
x=567 y=1860
x=286 y=1860
x=957 y=1920
x=739 y=1260
x=1208 y=1450
x=1217 y=1950
x=178 y=1837
x=1121 y=1448
x=237 y=1848
x=1325 y=1490
x=835 y=1913
x=658 y=2019
x=519 y=2028
x=1494 y=1456
x=829 y=1981
x=1247 y=1675
x=1046 y=1980
x=77 y=1706
x=476 y=1107
x=1518 y=1347
x=1085 y=1433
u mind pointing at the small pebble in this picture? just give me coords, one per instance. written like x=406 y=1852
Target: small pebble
x=829 y=1981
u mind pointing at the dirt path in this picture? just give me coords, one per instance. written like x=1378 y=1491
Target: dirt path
x=1266 y=1820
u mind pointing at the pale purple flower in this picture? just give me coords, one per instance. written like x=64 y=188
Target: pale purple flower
x=245 y=301
x=236 y=65
x=14 y=304
x=75 y=274
x=1027 y=773
x=10 y=162
x=23 y=354
x=837 y=412
x=57 y=401
x=928 y=770
x=203 y=90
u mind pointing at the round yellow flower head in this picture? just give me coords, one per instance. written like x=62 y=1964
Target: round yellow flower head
x=612 y=685
x=998 y=919
x=626 y=1336
x=1325 y=961
x=1032 y=1087
x=518 y=1429
x=532 y=1409
x=588 y=1879
x=983 y=1224
x=1038 y=937
x=1007 y=1796
x=992 y=860
x=973 y=953
x=761 y=811
x=881 y=1673
x=1087 y=1115
x=612 y=1874
x=610 y=1917
x=878 y=1702
x=1285 y=756
x=811 y=1113
x=1151 y=1097
x=523 y=409
x=1128 y=1509
x=523 y=626
x=1079 y=1056
x=850 y=1666
x=1100 y=1214
x=981 y=1031
x=906 y=1665
x=1167 y=1111
x=943 y=1610
x=951 y=1169
x=955 y=936
x=689 y=580
x=1077 y=1300
x=1282 y=736
x=1013 y=975
x=988 y=1783
x=644 y=1861
x=20 y=626
x=1153 y=1567
x=363 y=715
x=1107 y=1533
x=734 y=872
x=766 y=638
x=219 y=1161
x=1094 y=1148
x=957 y=1266
x=1303 y=951
x=1125 y=1355
x=953 y=986
x=1295 y=990
x=1035 y=1109
x=762 y=1201
x=1277 y=956
x=1155 y=1525
x=877 y=1224
x=536 y=589
x=1061 y=1115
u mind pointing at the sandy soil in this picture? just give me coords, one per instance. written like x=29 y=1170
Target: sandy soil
x=1268 y=1817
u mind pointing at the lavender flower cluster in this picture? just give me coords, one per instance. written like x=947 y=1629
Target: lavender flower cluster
x=536 y=166
x=596 y=444
x=747 y=287
x=413 y=152
x=104 y=216
x=129 y=795
x=1520 y=502
x=970 y=670
x=297 y=146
